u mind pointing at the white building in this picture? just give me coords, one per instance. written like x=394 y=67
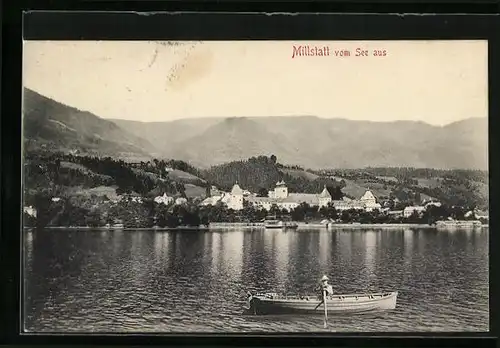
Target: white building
x=283 y=199
x=135 y=199
x=482 y=214
x=408 y=211
x=324 y=198
x=289 y=201
x=30 y=211
x=347 y=204
x=234 y=200
x=164 y=199
x=395 y=213
x=279 y=192
x=369 y=202
x=214 y=191
x=212 y=200
x=261 y=202
x=180 y=201
x=432 y=203
x=477 y=214
x=279 y=197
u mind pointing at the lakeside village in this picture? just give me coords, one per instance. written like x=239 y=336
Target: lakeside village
x=240 y=208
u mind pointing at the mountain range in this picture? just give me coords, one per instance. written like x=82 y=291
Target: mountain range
x=307 y=141
x=55 y=126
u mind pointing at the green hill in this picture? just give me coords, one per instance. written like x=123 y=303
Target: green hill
x=68 y=175
x=260 y=174
x=412 y=185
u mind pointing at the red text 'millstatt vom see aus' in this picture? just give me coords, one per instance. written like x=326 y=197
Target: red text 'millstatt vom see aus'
x=327 y=51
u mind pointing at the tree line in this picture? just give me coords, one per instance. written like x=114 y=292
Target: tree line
x=147 y=214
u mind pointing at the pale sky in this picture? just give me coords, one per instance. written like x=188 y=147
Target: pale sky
x=437 y=82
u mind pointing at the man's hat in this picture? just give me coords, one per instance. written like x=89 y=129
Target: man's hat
x=324 y=278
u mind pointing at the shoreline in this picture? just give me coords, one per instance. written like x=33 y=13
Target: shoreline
x=103 y=228
x=236 y=226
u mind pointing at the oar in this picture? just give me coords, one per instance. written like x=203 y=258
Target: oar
x=326 y=309
x=249 y=301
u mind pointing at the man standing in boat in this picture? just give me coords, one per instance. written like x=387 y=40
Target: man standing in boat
x=324 y=286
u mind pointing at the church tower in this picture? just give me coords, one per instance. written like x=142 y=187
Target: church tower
x=236 y=198
x=324 y=197
x=280 y=191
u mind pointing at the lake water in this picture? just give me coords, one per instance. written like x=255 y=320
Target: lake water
x=146 y=281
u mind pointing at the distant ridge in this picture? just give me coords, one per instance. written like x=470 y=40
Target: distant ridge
x=294 y=117
x=308 y=141
x=55 y=126
x=322 y=143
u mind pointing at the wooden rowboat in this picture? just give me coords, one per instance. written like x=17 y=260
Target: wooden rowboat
x=269 y=303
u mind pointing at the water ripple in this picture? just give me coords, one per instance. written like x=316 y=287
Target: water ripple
x=196 y=282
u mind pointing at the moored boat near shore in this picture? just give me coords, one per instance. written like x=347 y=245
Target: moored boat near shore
x=273 y=223
x=272 y=303
x=290 y=225
x=446 y=224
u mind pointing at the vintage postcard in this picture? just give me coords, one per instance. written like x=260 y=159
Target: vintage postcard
x=255 y=186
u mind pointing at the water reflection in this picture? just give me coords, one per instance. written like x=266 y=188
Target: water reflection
x=230 y=251
x=304 y=265
x=325 y=245
x=370 y=249
x=208 y=249
x=117 y=242
x=28 y=246
x=408 y=235
x=216 y=251
x=282 y=247
x=161 y=241
x=178 y=281
x=344 y=245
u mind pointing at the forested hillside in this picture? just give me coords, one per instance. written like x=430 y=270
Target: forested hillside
x=414 y=185
x=260 y=174
x=52 y=126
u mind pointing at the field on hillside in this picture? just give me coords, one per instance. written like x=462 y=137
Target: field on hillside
x=298 y=173
x=179 y=175
x=100 y=191
x=387 y=178
x=434 y=182
x=193 y=191
x=105 y=177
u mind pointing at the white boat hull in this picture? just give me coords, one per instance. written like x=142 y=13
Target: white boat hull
x=271 y=303
x=282 y=226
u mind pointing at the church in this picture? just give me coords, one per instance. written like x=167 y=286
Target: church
x=283 y=199
x=289 y=201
